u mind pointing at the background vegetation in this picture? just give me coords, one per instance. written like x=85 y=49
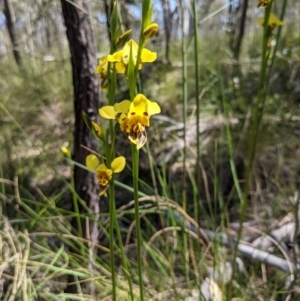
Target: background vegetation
x=190 y=214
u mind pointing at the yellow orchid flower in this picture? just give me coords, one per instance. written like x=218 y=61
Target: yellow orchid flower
x=133 y=117
x=272 y=23
x=104 y=174
x=102 y=70
x=122 y=56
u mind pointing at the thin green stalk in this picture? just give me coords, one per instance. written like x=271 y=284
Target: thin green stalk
x=109 y=157
x=163 y=182
x=2 y=187
x=216 y=186
x=114 y=225
x=184 y=100
x=230 y=149
x=76 y=209
x=258 y=112
x=196 y=61
x=256 y=120
x=276 y=45
x=135 y=175
x=151 y=164
x=124 y=259
x=231 y=156
x=111 y=239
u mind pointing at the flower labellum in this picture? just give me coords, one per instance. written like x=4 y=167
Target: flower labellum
x=138 y=117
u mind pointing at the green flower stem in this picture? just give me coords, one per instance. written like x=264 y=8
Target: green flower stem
x=111 y=238
x=196 y=49
x=276 y=45
x=110 y=153
x=113 y=215
x=114 y=225
x=124 y=259
x=184 y=97
x=256 y=120
x=258 y=112
x=135 y=175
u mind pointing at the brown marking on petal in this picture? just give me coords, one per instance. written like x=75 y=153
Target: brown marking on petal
x=145 y=113
x=125 y=56
x=133 y=113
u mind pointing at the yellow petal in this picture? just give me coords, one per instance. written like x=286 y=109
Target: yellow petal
x=147 y=56
x=130 y=47
x=103 y=60
x=122 y=107
x=107 y=112
x=116 y=57
x=102 y=66
x=130 y=44
x=139 y=105
x=98 y=69
x=102 y=167
x=120 y=68
x=65 y=151
x=273 y=21
x=118 y=164
x=153 y=108
x=92 y=162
